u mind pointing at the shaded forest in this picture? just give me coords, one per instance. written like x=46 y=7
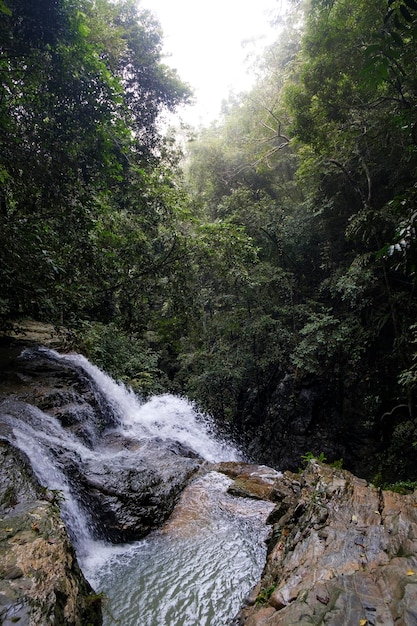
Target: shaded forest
x=267 y=268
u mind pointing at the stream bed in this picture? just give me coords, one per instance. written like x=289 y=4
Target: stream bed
x=114 y=457
x=196 y=571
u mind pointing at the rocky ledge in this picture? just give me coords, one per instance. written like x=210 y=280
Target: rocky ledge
x=125 y=493
x=341 y=552
x=40 y=581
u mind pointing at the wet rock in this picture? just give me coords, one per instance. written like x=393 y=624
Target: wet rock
x=40 y=581
x=59 y=388
x=124 y=495
x=249 y=480
x=132 y=494
x=343 y=552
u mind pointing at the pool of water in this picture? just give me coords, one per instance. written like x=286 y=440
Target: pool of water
x=196 y=571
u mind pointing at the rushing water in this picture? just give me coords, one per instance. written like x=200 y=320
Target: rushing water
x=195 y=571
x=162 y=417
x=198 y=568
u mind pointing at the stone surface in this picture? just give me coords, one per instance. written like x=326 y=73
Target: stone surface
x=40 y=581
x=126 y=495
x=250 y=481
x=32 y=332
x=130 y=495
x=342 y=552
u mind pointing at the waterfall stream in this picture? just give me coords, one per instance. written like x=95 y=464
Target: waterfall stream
x=198 y=567
x=196 y=571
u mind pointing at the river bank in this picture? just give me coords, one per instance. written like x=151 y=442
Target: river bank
x=340 y=550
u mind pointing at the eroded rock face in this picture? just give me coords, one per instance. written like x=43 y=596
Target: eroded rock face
x=126 y=492
x=342 y=552
x=40 y=581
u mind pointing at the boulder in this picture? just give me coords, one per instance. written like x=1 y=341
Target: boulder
x=341 y=552
x=131 y=494
x=40 y=581
x=126 y=487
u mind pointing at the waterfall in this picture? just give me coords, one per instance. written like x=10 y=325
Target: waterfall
x=197 y=568
x=165 y=417
x=46 y=444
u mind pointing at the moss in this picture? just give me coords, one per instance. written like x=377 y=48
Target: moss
x=265 y=594
x=402 y=487
x=9 y=498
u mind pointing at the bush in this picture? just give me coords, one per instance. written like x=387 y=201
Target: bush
x=127 y=358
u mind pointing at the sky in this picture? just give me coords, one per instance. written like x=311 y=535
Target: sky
x=204 y=41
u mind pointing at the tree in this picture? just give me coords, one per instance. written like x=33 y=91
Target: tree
x=317 y=165
x=82 y=87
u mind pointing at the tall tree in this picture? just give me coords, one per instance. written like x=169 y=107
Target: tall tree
x=82 y=87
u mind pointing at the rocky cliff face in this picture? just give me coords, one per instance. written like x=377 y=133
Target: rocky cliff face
x=341 y=552
x=40 y=581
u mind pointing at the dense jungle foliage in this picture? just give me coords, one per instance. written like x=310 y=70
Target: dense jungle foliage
x=270 y=272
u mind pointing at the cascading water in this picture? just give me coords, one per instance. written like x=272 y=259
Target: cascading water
x=162 y=417
x=38 y=435
x=195 y=570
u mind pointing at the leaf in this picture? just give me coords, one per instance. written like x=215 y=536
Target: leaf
x=4 y=8
x=397 y=39
x=383 y=252
x=410 y=572
x=363 y=622
x=374 y=47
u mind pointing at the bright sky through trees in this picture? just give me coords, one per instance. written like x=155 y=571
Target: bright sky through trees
x=209 y=44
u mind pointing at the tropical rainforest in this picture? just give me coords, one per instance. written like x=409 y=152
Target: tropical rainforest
x=265 y=267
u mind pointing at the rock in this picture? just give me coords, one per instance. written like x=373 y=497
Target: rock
x=40 y=581
x=303 y=413
x=250 y=481
x=131 y=495
x=59 y=388
x=125 y=495
x=343 y=552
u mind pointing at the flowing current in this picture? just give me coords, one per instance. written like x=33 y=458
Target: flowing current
x=197 y=569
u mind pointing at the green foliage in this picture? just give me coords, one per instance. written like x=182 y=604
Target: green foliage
x=326 y=342
x=286 y=256
x=265 y=594
x=82 y=87
x=127 y=358
x=310 y=456
x=403 y=487
x=316 y=165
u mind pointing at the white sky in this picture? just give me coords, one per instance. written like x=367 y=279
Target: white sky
x=204 y=41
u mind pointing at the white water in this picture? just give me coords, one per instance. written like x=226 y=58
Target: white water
x=197 y=570
x=162 y=417
x=36 y=439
